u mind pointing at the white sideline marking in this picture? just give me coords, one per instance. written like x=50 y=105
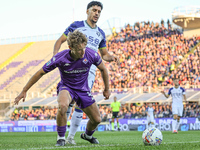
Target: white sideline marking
x=181 y=142
x=81 y=146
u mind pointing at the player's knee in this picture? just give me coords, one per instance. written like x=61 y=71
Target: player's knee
x=178 y=119
x=63 y=108
x=97 y=120
x=175 y=117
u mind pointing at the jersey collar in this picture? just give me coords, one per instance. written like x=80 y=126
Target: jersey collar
x=89 y=25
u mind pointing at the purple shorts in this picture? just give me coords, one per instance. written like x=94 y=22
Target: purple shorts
x=82 y=98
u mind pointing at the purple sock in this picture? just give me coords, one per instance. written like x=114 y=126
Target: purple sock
x=61 y=130
x=89 y=132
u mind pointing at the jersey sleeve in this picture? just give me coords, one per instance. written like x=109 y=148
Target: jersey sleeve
x=183 y=91
x=97 y=59
x=169 y=93
x=52 y=63
x=102 y=44
x=73 y=27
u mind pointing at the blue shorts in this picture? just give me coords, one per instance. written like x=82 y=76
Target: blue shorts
x=82 y=98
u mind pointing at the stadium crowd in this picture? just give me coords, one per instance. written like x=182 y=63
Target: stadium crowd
x=135 y=111
x=148 y=55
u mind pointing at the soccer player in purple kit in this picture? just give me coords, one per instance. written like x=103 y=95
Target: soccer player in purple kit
x=74 y=65
x=96 y=41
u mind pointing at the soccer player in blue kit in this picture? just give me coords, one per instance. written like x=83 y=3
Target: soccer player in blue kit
x=74 y=66
x=96 y=40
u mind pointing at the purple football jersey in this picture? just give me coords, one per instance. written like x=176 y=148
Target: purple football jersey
x=74 y=74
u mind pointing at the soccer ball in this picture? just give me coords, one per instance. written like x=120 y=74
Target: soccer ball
x=152 y=136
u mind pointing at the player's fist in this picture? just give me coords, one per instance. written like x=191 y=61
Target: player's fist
x=106 y=94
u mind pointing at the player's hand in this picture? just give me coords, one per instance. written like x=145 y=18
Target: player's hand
x=106 y=94
x=162 y=92
x=116 y=59
x=22 y=96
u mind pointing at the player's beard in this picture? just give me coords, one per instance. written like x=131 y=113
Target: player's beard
x=93 y=21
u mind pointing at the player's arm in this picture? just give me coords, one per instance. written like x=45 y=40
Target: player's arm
x=49 y=66
x=29 y=84
x=166 y=95
x=147 y=114
x=119 y=106
x=104 y=74
x=184 y=96
x=58 y=43
x=107 y=57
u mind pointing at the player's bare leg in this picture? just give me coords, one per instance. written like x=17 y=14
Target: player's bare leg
x=93 y=113
x=64 y=99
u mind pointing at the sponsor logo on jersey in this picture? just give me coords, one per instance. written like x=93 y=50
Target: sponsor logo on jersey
x=85 y=61
x=77 y=71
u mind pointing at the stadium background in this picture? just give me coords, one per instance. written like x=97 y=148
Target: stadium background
x=151 y=54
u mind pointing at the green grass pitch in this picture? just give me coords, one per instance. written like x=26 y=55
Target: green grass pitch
x=108 y=140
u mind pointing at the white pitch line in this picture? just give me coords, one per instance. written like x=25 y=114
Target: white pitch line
x=182 y=142
x=81 y=146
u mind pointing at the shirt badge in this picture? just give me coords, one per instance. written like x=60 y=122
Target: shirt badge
x=85 y=61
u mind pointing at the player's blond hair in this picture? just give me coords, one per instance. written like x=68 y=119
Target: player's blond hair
x=76 y=38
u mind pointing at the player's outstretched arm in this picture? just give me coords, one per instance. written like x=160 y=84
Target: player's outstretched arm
x=166 y=95
x=104 y=74
x=107 y=57
x=28 y=85
x=184 y=96
x=58 y=43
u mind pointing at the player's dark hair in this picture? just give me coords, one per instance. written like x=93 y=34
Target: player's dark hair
x=175 y=79
x=95 y=3
x=76 y=38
